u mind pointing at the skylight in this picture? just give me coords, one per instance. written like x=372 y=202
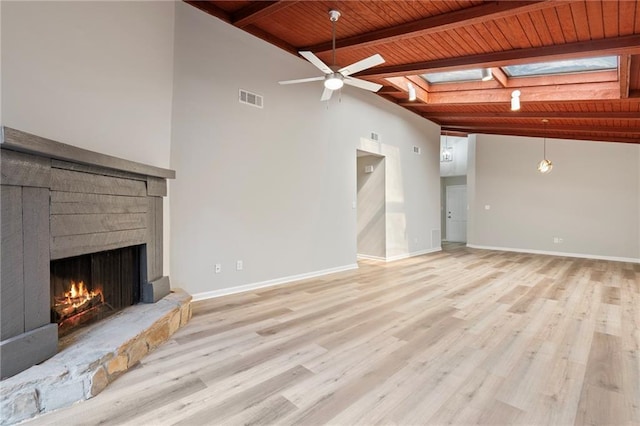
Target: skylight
x=563 y=67
x=454 y=76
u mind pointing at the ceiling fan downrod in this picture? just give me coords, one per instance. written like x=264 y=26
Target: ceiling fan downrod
x=334 y=15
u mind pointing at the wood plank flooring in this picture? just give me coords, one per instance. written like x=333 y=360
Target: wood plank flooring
x=461 y=336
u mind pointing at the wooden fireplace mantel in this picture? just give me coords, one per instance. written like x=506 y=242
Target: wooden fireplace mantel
x=17 y=140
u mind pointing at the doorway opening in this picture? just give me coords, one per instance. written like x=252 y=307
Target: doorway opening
x=453 y=187
x=371 y=205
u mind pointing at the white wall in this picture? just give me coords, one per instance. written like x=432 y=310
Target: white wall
x=275 y=187
x=591 y=199
x=97 y=75
x=94 y=74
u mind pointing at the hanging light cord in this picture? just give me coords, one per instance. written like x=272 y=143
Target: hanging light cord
x=544 y=143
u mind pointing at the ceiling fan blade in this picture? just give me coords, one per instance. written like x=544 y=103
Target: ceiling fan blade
x=315 y=61
x=326 y=94
x=301 y=80
x=362 y=65
x=362 y=84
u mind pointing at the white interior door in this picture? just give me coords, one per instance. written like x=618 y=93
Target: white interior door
x=456 y=210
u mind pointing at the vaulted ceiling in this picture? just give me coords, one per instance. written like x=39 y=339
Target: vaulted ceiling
x=418 y=37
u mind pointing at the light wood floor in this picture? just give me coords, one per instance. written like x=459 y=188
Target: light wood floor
x=458 y=337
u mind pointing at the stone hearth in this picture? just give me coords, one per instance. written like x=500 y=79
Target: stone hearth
x=92 y=357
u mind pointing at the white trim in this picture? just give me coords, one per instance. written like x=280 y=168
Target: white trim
x=413 y=254
x=270 y=283
x=367 y=257
x=558 y=253
x=399 y=256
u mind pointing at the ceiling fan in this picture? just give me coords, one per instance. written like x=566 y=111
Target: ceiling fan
x=335 y=77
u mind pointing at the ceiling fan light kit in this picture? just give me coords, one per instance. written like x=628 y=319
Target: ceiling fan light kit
x=336 y=77
x=334 y=81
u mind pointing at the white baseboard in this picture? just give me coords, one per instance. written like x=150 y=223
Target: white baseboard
x=270 y=283
x=558 y=253
x=413 y=254
x=368 y=257
x=400 y=256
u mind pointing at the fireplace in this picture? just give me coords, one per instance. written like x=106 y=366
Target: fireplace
x=88 y=288
x=72 y=216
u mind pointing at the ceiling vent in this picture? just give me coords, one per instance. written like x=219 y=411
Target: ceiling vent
x=250 y=98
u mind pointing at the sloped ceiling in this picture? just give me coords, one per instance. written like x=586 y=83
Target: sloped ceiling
x=417 y=37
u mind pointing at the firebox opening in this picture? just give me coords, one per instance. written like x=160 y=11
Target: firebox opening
x=91 y=287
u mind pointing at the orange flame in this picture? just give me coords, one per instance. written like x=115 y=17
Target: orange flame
x=78 y=293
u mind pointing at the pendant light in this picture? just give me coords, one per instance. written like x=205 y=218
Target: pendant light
x=515 y=100
x=447 y=153
x=412 y=92
x=545 y=166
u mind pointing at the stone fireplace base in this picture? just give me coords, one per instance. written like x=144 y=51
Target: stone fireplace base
x=92 y=357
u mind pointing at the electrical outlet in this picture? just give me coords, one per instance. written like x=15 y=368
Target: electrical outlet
x=555 y=240
x=218 y=268
x=239 y=265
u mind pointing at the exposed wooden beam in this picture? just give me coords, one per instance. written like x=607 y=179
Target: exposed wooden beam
x=500 y=76
x=453 y=133
x=257 y=10
x=564 y=92
x=432 y=24
x=608 y=46
x=624 y=69
x=550 y=129
x=420 y=82
x=518 y=115
x=543 y=80
x=539 y=133
x=270 y=38
x=401 y=83
x=211 y=9
x=389 y=89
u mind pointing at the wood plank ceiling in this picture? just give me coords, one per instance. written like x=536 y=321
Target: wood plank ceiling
x=417 y=37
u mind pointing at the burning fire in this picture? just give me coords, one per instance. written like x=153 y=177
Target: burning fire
x=78 y=294
x=76 y=306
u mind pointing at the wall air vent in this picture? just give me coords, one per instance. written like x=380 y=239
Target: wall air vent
x=375 y=136
x=250 y=98
x=416 y=150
